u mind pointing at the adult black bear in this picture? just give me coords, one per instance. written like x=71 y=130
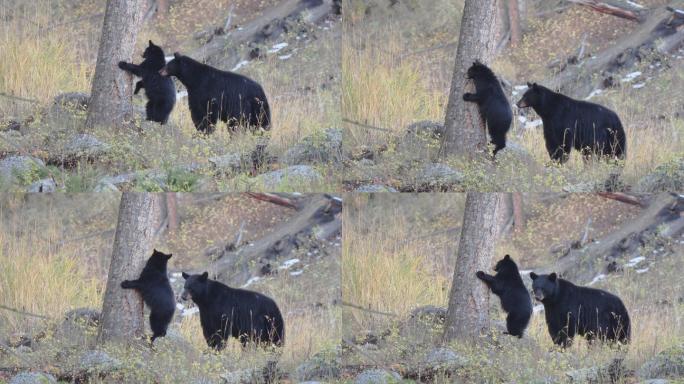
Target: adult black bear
x=588 y=312
x=214 y=94
x=515 y=300
x=153 y=284
x=160 y=91
x=588 y=127
x=224 y=312
x=492 y=103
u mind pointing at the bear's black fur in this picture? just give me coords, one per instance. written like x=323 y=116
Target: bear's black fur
x=492 y=103
x=515 y=300
x=153 y=284
x=588 y=312
x=214 y=94
x=224 y=312
x=160 y=91
x=588 y=127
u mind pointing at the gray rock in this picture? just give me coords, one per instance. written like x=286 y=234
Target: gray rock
x=377 y=376
x=295 y=175
x=317 y=148
x=586 y=187
x=374 y=188
x=32 y=378
x=668 y=177
x=228 y=163
x=426 y=128
x=42 y=185
x=611 y=373
x=438 y=175
x=73 y=100
x=12 y=166
x=322 y=365
x=444 y=359
x=85 y=146
x=366 y=163
x=668 y=363
x=655 y=381
x=243 y=376
x=97 y=361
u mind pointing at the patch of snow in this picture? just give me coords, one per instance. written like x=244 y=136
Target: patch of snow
x=640 y=85
x=538 y=308
x=168 y=58
x=522 y=119
x=635 y=261
x=643 y=270
x=190 y=311
x=520 y=87
x=251 y=281
x=288 y=263
x=593 y=93
x=180 y=307
x=285 y=57
x=277 y=47
x=177 y=274
x=181 y=95
x=240 y=65
x=533 y=124
x=630 y=76
x=296 y=273
x=634 y=4
x=598 y=278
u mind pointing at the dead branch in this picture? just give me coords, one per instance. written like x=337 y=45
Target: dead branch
x=346 y=120
x=273 y=198
x=622 y=9
x=622 y=197
x=373 y=311
x=23 y=313
x=7 y=95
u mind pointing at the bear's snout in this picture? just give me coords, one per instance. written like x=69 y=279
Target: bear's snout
x=164 y=72
x=186 y=295
x=522 y=104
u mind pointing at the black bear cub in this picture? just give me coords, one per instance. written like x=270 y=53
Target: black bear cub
x=587 y=127
x=588 y=312
x=153 y=284
x=214 y=94
x=224 y=312
x=492 y=103
x=160 y=91
x=515 y=300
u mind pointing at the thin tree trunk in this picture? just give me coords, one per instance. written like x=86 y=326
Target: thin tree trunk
x=110 y=98
x=122 y=310
x=162 y=9
x=172 y=211
x=468 y=312
x=514 y=21
x=479 y=37
x=518 y=213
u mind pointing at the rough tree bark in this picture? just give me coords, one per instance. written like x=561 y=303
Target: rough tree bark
x=468 y=312
x=518 y=212
x=479 y=37
x=172 y=211
x=514 y=21
x=110 y=97
x=122 y=310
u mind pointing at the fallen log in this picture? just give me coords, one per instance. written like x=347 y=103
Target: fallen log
x=661 y=25
x=623 y=9
x=231 y=47
x=318 y=218
x=579 y=265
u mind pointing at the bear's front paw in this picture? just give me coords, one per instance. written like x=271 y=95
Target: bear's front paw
x=122 y=64
x=468 y=96
x=480 y=275
x=126 y=284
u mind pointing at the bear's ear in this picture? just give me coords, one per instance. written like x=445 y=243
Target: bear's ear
x=185 y=275
x=552 y=277
x=507 y=257
x=204 y=276
x=176 y=55
x=529 y=85
x=168 y=256
x=151 y=43
x=535 y=86
x=533 y=276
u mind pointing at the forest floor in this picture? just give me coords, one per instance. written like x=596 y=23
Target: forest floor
x=50 y=48
x=55 y=257
x=397 y=62
x=397 y=264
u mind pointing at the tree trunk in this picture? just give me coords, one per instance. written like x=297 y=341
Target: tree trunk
x=162 y=9
x=479 y=37
x=122 y=310
x=110 y=97
x=468 y=313
x=518 y=213
x=514 y=21
x=172 y=211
